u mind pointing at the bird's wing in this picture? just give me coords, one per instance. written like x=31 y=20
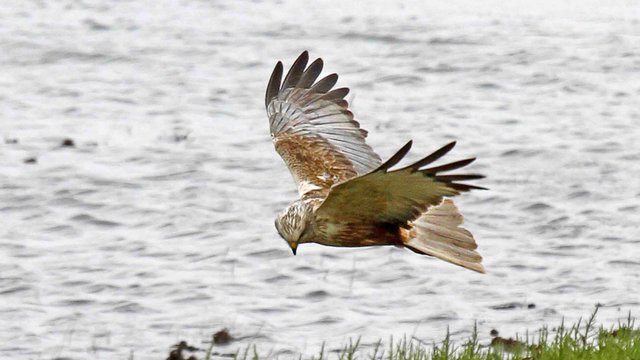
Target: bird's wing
x=396 y=196
x=312 y=128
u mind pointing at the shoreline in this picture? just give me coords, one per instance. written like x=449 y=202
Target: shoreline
x=583 y=340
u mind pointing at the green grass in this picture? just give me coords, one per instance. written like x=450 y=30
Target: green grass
x=580 y=341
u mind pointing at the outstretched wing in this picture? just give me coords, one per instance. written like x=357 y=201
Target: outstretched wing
x=312 y=128
x=396 y=196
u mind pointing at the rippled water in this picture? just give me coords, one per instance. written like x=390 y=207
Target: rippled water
x=158 y=224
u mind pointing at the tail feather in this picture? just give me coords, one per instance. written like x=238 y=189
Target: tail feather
x=437 y=233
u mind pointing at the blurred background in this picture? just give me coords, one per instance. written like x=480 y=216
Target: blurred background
x=138 y=183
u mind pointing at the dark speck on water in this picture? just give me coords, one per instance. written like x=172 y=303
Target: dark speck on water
x=68 y=143
x=513 y=306
x=177 y=352
x=222 y=337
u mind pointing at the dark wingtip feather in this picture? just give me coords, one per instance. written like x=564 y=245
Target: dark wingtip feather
x=337 y=94
x=396 y=157
x=296 y=70
x=465 y=187
x=459 y=177
x=447 y=167
x=325 y=84
x=311 y=74
x=273 y=87
x=342 y=103
x=431 y=157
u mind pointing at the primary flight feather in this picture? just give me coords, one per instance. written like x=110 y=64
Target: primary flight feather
x=348 y=196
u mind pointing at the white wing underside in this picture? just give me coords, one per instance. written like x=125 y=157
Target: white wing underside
x=317 y=120
x=325 y=119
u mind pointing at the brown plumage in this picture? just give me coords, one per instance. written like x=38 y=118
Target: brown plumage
x=348 y=197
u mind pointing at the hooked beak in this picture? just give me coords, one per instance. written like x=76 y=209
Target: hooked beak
x=293 y=246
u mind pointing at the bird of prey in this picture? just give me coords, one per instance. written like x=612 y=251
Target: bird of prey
x=348 y=196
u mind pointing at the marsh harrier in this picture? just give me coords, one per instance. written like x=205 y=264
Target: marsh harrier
x=348 y=196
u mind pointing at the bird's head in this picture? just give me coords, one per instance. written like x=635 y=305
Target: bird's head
x=291 y=224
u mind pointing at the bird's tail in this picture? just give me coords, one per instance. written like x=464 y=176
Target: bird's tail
x=437 y=233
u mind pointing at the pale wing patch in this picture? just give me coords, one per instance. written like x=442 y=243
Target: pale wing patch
x=442 y=224
x=438 y=233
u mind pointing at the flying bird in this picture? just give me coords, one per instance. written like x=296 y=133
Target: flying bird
x=348 y=196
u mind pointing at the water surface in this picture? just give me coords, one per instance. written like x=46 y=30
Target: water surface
x=157 y=225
